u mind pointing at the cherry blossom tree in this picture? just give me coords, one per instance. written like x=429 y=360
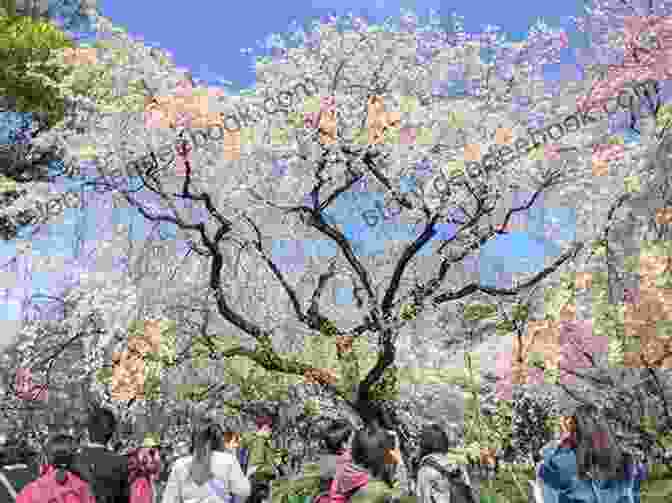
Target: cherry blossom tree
x=395 y=102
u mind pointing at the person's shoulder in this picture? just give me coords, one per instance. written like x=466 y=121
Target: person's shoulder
x=223 y=456
x=183 y=461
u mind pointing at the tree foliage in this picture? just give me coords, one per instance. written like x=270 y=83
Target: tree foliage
x=26 y=46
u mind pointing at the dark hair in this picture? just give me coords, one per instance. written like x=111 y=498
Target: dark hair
x=61 y=451
x=207 y=436
x=101 y=425
x=337 y=435
x=597 y=454
x=17 y=452
x=433 y=439
x=368 y=450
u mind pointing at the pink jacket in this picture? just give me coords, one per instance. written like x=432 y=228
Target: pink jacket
x=348 y=478
x=47 y=488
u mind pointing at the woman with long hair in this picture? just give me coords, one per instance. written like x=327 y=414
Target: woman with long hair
x=586 y=464
x=364 y=480
x=440 y=479
x=209 y=472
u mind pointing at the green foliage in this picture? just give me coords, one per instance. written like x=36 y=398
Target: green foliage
x=152 y=385
x=664 y=116
x=616 y=352
x=555 y=299
x=350 y=373
x=307 y=485
x=632 y=184
x=658 y=247
x=387 y=387
x=408 y=312
x=26 y=47
x=168 y=342
x=104 y=375
x=96 y=81
x=477 y=312
x=498 y=426
x=535 y=359
x=664 y=280
x=504 y=327
x=328 y=328
x=664 y=328
x=551 y=375
x=520 y=312
x=599 y=247
x=312 y=407
x=192 y=392
x=631 y=264
x=608 y=319
x=320 y=352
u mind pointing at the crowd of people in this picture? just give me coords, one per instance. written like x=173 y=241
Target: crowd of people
x=357 y=466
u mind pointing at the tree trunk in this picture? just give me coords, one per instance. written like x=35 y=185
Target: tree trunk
x=35 y=13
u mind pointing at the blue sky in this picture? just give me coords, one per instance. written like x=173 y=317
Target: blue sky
x=207 y=38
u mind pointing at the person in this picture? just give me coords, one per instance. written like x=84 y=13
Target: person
x=586 y=464
x=17 y=470
x=364 y=479
x=260 y=450
x=335 y=441
x=440 y=479
x=231 y=445
x=61 y=480
x=261 y=467
x=109 y=470
x=209 y=472
x=144 y=468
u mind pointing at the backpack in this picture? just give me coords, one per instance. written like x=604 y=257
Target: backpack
x=461 y=491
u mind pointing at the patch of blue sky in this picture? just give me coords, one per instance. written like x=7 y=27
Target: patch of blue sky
x=55 y=243
x=407 y=183
x=344 y=296
x=11 y=310
x=12 y=123
x=516 y=252
x=319 y=248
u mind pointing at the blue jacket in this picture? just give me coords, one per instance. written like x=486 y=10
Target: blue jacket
x=560 y=483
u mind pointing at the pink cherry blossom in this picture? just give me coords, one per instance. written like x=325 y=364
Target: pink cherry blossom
x=312 y=119
x=504 y=371
x=551 y=152
x=184 y=88
x=328 y=104
x=154 y=119
x=26 y=389
x=407 y=135
x=608 y=152
x=648 y=55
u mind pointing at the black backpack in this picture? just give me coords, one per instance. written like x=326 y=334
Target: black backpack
x=461 y=492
